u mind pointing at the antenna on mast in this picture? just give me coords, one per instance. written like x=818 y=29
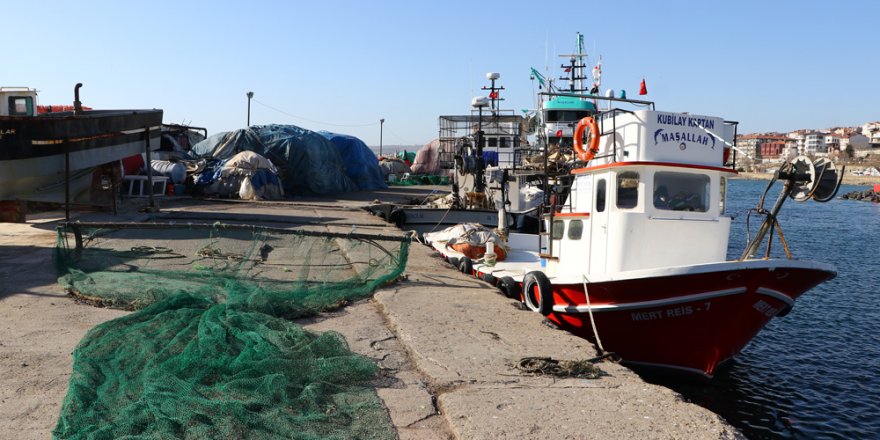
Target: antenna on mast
x=575 y=67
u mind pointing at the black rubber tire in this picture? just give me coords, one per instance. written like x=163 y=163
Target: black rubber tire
x=509 y=287
x=489 y=278
x=453 y=261
x=466 y=266
x=543 y=303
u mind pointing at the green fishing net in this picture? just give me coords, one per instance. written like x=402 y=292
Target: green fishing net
x=421 y=180
x=211 y=351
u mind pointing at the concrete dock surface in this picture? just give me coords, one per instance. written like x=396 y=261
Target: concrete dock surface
x=447 y=344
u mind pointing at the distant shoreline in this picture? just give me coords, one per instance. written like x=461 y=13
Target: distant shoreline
x=848 y=179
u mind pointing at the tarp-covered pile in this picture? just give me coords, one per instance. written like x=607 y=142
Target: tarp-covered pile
x=306 y=162
x=427 y=160
x=248 y=175
x=470 y=239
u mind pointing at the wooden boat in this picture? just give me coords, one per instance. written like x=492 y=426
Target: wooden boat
x=36 y=149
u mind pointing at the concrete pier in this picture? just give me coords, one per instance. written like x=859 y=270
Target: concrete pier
x=447 y=343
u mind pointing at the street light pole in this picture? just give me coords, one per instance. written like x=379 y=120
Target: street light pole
x=250 y=96
x=381 y=126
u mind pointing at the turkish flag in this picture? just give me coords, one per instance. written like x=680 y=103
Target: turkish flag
x=493 y=95
x=643 y=89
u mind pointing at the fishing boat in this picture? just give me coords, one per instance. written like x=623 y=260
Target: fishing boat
x=51 y=157
x=479 y=150
x=557 y=115
x=633 y=250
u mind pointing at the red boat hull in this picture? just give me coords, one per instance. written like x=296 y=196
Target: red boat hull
x=691 y=321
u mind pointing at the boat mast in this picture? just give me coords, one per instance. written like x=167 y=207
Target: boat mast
x=494 y=92
x=575 y=68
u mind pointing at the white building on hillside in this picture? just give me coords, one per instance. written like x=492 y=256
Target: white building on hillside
x=872 y=131
x=814 y=144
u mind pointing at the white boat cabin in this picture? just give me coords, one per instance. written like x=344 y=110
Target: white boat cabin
x=18 y=101
x=652 y=197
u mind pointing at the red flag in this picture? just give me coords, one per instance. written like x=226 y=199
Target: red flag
x=493 y=95
x=643 y=89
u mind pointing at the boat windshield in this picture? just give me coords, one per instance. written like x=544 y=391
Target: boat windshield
x=681 y=191
x=566 y=115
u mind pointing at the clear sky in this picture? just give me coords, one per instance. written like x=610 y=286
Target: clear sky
x=343 y=65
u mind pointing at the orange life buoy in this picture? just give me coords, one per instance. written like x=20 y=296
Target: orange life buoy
x=586 y=155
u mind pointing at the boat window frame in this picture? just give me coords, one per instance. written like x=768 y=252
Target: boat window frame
x=575 y=233
x=601 y=195
x=558 y=225
x=29 y=105
x=625 y=194
x=676 y=199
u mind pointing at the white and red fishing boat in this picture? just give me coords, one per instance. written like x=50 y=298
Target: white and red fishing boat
x=633 y=252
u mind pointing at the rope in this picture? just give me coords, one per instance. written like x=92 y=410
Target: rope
x=545 y=366
x=211 y=252
x=592 y=321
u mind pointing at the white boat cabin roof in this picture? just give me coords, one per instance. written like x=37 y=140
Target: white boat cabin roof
x=18 y=101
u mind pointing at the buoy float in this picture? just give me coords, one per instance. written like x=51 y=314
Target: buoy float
x=586 y=155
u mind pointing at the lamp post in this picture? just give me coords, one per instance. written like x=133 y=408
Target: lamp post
x=250 y=96
x=381 y=126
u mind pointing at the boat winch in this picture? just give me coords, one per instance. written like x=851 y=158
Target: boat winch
x=804 y=179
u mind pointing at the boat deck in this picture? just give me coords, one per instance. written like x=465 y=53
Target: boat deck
x=518 y=262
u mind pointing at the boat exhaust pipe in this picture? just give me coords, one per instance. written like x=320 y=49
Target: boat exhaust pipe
x=77 y=105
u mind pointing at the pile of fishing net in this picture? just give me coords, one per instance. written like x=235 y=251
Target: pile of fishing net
x=211 y=351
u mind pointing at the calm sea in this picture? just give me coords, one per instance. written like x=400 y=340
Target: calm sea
x=815 y=373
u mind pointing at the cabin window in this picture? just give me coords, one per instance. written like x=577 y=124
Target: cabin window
x=21 y=106
x=493 y=142
x=681 y=191
x=503 y=143
x=600 y=195
x=558 y=229
x=575 y=229
x=627 y=190
x=723 y=198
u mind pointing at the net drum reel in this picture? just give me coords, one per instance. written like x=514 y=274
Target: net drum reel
x=804 y=179
x=818 y=180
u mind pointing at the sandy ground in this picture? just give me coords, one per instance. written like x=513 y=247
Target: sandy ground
x=446 y=344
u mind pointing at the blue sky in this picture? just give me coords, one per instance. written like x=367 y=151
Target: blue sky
x=343 y=65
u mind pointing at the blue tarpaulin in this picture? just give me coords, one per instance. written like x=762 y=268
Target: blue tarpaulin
x=361 y=164
x=307 y=162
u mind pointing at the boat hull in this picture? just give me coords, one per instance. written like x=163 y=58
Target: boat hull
x=689 y=318
x=32 y=149
x=689 y=322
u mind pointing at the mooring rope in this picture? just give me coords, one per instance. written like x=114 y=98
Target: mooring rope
x=592 y=321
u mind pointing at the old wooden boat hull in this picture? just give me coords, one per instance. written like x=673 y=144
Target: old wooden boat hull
x=32 y=149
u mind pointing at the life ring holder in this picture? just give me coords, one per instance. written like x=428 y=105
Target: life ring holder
x=582 y=125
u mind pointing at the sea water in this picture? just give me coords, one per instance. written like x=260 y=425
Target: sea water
x=815 y=373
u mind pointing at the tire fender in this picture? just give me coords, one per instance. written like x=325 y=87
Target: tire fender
x=466 y=266
x=489 y=278
x=538 y=292
x=509 y=288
